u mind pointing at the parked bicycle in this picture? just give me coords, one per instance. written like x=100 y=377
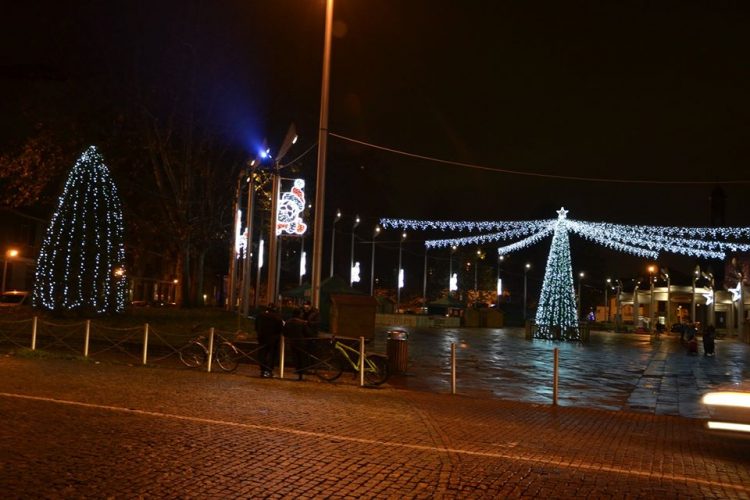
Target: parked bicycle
x=195 y=354
x=329 y=362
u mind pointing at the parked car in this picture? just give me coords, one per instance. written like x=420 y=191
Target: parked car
x=14 y=298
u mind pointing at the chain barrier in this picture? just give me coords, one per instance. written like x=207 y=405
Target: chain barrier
x=165 y=344
x=16 y=332
x=247 y=349
x=48 y=339
x=121 y=344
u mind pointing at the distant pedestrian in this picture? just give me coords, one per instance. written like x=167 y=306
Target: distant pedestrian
x=709 y=341
x=268 y=327
x=296 y=330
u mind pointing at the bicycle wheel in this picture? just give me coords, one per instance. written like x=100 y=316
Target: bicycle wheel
x=227 y=357
x=376 y=370
x=193 y=355
x=329 y=366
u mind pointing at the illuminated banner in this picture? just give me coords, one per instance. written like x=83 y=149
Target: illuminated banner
x=291 y=205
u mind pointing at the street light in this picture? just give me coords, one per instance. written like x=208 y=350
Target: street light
x=333 y=238
x=618 y=306
x=580 y=302
x=500 y=259
x=375 y=234
x=696 y=275
x=525 y=289
x=11 y=253
x=452 y=280
x=607 y=283
x=651 y=271
x=476 y=267
x=351 y=254
x=400 y=272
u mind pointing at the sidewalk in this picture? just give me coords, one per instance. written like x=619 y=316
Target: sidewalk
x=74 y=429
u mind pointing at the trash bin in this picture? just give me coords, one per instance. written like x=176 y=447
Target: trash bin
x=398 y=351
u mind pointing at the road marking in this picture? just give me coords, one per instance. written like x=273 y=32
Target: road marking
x=548 y=461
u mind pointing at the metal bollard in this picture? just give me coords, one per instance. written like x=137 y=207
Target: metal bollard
x=555 y=376
x=86 y=340
x=453 y=367
x=281 y=357
x=33 y=334
x=145 y=343
x=361 y=361
x=210 y=349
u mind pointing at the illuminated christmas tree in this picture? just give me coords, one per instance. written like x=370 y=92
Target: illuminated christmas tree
x=556 y=314
x=81 y=265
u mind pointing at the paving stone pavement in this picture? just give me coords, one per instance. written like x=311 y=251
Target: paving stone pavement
x=612 y=371
x=82 y=430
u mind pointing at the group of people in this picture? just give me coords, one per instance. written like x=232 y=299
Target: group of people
x=689 y=336
x=299 y=330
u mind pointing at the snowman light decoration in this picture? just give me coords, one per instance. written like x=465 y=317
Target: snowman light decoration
x=291 y=205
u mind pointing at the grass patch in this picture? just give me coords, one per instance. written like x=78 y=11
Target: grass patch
x=26 y=353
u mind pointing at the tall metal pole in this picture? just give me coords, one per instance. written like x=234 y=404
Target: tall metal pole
x=333 y=240
x=249 y=247
x=320 y=181
x=398 y=276
x=232 y=281
x=273 y=240
x=351 y=251
x=372 y=261
x=500 y=259
x=525 y=289
x=424 y=279
x=606 y=304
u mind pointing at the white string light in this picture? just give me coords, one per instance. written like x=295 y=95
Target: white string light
x=81 y=263
x=556 y=316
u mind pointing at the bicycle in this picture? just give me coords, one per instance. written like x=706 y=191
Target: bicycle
x=195 y=354
x=329 y=364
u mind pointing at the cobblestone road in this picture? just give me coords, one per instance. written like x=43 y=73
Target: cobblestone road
x=73 y=429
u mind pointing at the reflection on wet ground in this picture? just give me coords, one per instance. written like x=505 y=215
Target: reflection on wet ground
x=612 y=371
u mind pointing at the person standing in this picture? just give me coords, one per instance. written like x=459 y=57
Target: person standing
x=268 y=327
x=296 y=331
x=312 y=316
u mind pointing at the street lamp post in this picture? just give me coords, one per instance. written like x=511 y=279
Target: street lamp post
x=451 y=287
x=11 y=253
x=651 y=270
x=424 y=280
x=696 y=274
x=400 y=273
x=320 y=181
x=333 y=239
x=525 y=289
x=580 y=302
x=500 y=259
x=618 y=306
x=351 y=253
x=476 y=270
x=607 y=284
x=375 y=234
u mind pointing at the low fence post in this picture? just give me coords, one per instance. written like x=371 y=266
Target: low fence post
x=453 y=367
x=555 y=376
x=86 y=339
x=33 y=333
x=145 y=343
x=281 y=357
x=361 y=361
x=210 y=350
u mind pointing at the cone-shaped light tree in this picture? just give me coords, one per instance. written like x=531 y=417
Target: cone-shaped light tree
x=81 y=265
x=556 y=315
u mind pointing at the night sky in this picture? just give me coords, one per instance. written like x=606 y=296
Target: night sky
x=652 y=91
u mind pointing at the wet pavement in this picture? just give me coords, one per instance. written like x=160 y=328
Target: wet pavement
x=613 y=371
